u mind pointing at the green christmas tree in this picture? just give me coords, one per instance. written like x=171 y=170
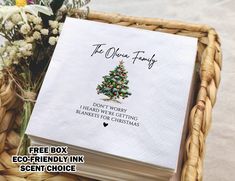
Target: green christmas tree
x=115 y=85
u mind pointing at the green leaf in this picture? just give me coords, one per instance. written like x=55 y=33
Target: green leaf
x=56 y=5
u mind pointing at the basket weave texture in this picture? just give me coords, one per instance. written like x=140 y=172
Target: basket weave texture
x=209 y=57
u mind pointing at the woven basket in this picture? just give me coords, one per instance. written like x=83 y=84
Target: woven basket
x=209 y=59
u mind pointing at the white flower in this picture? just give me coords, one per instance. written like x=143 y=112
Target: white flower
x=25 y=29
x=52 y=40
x=7 y=11
x=26 y=50
x=53 y=24
x=38 y=27
x=29 y=39
x=30 y=17
x=28 y=53
x=55 y=31
x=16 y=18
x=44 y=31
x=9 y=25
x=37 y=20
x=19 y=55
x=29 y=46
x=36 y=35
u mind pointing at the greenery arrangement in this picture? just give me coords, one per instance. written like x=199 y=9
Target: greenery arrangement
x=30 y=30
x=115 y=85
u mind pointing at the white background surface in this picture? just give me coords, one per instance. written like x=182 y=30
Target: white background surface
x=220 y=152
x=220 y=159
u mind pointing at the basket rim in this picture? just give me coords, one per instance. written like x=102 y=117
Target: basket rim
x=166 y=23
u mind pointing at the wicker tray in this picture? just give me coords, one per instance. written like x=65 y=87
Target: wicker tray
x=209 y=59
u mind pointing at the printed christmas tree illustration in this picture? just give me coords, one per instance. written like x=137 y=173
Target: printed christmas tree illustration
x=115 y=85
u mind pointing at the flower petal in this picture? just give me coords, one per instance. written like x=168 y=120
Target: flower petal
x=35 y=9
x=8 y=11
